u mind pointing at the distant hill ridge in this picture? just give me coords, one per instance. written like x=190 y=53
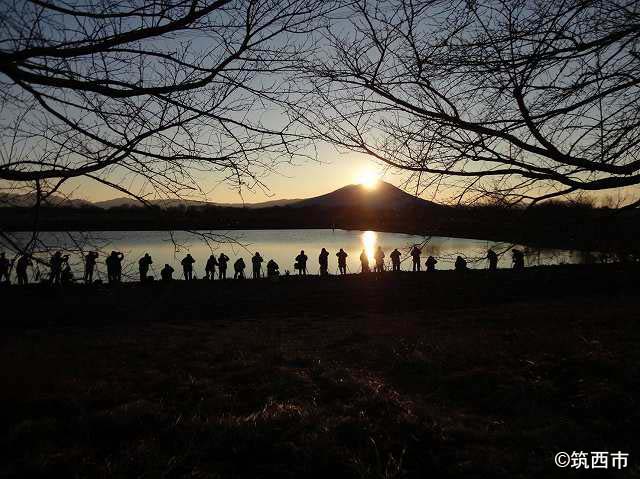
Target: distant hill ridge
x=383 y=195
x=29 y=200
x=172 y=203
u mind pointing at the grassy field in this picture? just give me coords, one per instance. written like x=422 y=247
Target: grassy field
x=441 y=375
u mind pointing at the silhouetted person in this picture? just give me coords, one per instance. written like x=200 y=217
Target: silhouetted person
x=518 y=259
x=166 y=273
x=143 y=266
x=114 y=266
x=272 y=269
x=492 y=257
x=460 y=264
x=210 y=268
x=187 y=266
x=55 y=267
x=5 y=266
x=89 y=266
x=109 y=262
x=21 y=269
x=323 y=259
x=364 y=262
x=301 y=263
x=415 y=254
x=238 y=269
x=431 y=263
x=66 y=276
x=395 y=260
x=256 y=263
x=118 y=266
x=223 y=259
x=342 y=261
x=379 y=257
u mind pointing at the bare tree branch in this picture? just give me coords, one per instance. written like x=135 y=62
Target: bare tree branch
x=526 y=98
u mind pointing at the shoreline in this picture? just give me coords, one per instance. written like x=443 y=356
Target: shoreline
x=335 y=294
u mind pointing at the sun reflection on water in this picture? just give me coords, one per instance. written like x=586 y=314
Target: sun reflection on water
x=369 y=241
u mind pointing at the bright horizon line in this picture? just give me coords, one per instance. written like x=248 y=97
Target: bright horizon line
x=370 y=185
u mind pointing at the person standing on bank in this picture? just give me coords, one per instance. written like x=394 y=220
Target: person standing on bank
x=395 y=260
x=89 y=266
x=114 y=266
x=5 y=267
x=301 y=263
x=256 y=261
x=342 y=261
x=492 y=257
x=364 y=262
x=379 y=257
x=55 y=266
x=323 y=259
x=187 y=266
x=210 y=267
x=272 y=269
x=143 y=266
x=21 y=269
x=518 y=259
x=117 y=265
x=460 y=264
x=223 y=259
x=415 y=254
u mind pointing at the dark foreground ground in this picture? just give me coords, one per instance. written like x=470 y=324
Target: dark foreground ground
x=410 y=375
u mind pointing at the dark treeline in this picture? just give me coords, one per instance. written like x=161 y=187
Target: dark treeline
x=560 y=225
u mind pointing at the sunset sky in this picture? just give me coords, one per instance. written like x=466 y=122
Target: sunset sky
x=267 y=109
x=301 y=179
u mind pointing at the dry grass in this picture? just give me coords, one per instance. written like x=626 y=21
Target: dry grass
x=481 y=391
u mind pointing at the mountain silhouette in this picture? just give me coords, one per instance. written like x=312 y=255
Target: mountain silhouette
x=382 y=196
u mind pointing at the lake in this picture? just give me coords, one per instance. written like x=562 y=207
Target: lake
x=284 y=245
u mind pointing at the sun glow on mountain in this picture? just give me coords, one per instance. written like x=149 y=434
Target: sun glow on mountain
x=369 y=179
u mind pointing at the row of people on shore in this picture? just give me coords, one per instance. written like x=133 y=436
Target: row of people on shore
x=60 y=270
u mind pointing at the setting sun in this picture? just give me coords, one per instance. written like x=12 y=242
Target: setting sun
x=369 y=179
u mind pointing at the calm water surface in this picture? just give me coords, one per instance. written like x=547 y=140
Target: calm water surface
x=284 y=245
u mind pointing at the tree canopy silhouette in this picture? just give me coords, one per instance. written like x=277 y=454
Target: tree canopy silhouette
x=146 y=97
x=156 y=91
x=523 y=100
